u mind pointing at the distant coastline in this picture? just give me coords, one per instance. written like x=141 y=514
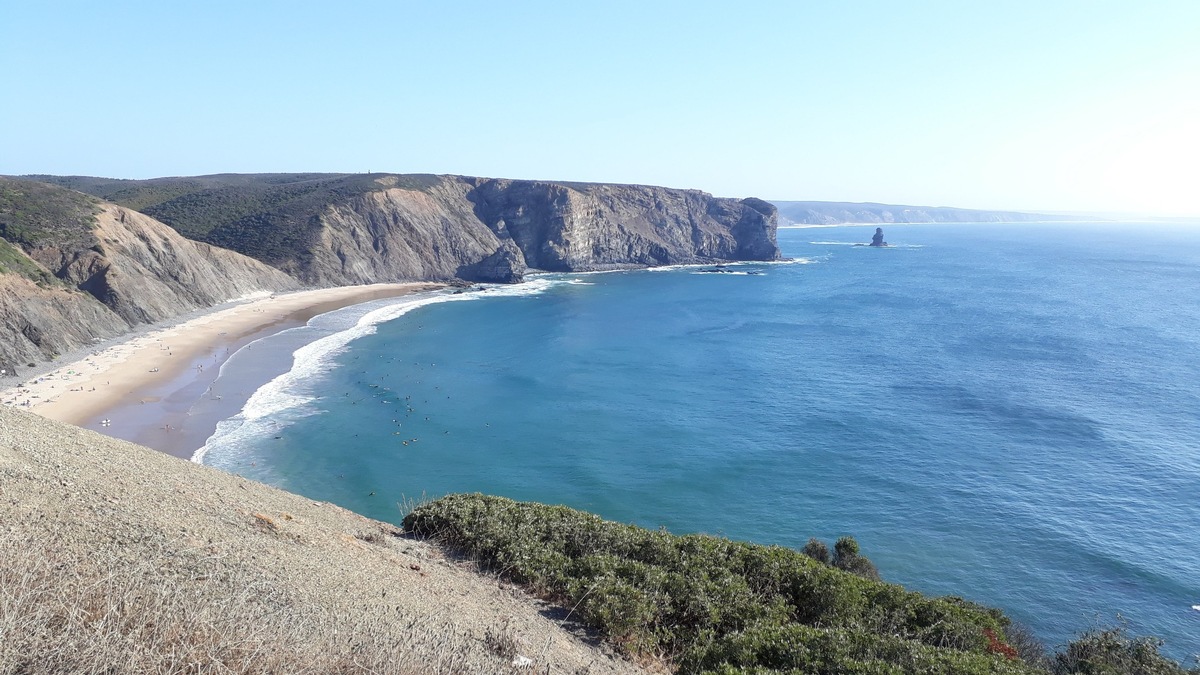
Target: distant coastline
x=816 y=226
x=793 y=213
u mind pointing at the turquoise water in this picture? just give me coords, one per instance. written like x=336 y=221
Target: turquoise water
x=1009 y=413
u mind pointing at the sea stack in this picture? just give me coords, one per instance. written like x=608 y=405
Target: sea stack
x=877 y=240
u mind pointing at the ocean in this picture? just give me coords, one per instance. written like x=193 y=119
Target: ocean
x=1005 y=412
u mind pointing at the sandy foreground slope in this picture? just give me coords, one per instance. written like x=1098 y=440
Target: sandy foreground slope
x=81 y=511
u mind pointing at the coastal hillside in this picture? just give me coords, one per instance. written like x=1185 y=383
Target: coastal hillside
x=84 y=259
x=115 y=558
x=339 y=229
x=833 y=213
x=75 y=270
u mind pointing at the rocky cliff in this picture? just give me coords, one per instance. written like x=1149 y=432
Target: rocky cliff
x=75 y=269
x=337 y=229
x=493 y=230
x=572 y=227
x=72 y=280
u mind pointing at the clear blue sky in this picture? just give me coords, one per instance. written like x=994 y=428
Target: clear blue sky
x=1071 y=105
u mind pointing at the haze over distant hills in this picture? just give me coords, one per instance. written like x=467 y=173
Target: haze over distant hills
x=833 y=213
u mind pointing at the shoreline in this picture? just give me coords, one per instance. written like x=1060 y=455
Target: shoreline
x=141 y=388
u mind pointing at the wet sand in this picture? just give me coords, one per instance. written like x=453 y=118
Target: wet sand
x=142 y=389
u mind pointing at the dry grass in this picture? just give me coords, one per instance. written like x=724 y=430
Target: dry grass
x=61 y=615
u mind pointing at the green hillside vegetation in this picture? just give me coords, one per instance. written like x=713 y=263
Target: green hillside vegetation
x=35 y=214
x=710 y=605
x=265 y=216
x=13 y=260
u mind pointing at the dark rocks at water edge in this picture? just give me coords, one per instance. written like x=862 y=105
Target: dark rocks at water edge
x=877 y=239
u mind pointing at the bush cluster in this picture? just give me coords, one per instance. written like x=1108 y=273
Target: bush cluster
x=708 y=604
x=1113 y=651
x=845 y=556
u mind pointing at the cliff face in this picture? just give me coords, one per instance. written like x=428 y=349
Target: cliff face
x=493 y=230
x=130 y=270
x=78 y=270
x=145 y=272
x=583 y=228
x=38 y=322
x=336 y=229
x=397 y=234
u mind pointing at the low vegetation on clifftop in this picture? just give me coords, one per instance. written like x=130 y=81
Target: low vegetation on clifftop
x=705 y=604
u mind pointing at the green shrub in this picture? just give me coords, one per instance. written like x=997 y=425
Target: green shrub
x=1113 y=651
x=710 y=604
x=806 y=649
x=817 y=550
x=846 y=557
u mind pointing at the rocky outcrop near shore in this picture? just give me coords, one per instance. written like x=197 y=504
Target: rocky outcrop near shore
x=587 y=227
x=400 y=233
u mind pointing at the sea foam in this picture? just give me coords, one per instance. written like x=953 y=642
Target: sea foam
x=269 y=408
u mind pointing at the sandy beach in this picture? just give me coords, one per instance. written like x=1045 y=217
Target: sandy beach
x=181 y=359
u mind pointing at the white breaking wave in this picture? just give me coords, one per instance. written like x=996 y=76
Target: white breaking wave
x=733 y=263
x=785 y=261
x=556 y=275
x=863 y=244
x=262 y=411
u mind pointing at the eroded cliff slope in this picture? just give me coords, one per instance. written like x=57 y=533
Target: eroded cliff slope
x=74 y=270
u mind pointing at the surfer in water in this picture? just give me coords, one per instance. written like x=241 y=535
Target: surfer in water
x=877 y=240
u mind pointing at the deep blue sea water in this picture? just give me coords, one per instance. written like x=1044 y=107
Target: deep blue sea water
x=1010 y=413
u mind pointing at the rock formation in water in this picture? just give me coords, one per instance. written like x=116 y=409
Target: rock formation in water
x=877 y=238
